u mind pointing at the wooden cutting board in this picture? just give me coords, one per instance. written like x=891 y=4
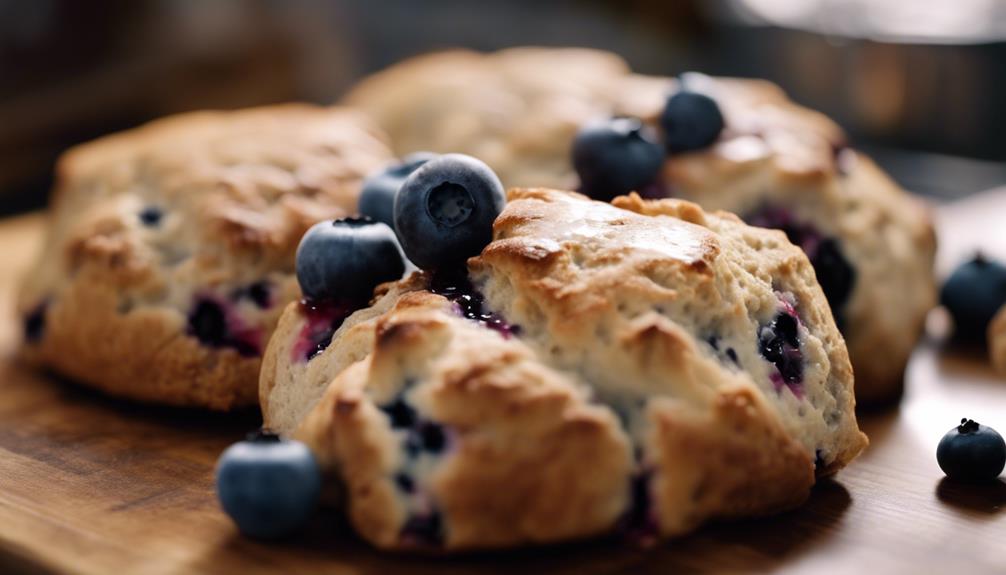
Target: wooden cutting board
x=94 y=485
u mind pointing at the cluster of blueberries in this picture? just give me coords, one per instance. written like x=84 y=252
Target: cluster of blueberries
x=973 y=293
x=435 y=210
x=618 y=155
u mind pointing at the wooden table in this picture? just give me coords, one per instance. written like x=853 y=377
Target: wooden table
x=93 y=485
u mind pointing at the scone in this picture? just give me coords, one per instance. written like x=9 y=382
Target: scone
x=775 y=164
x=997 y=340
x=638 y=368
x=170 y=248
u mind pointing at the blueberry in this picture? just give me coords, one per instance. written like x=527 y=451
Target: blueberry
x=261 y=294
x=268 y=486
x=690 y=121
x=377 y=197
x=616 y=156
x=323 y=320
x=34 y=324
x=973 y=294
x=453 y=284
x=779 y=344
x=445 y=210
x=400 y=413
x=971 y=452
x=216 y=326
x=834 y=272
x=425 y=529
x=151 y=216
x=432 y=437
x=208 y=322
x=405 y=483
x=346 y=259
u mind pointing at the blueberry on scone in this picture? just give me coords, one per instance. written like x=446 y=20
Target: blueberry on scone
x=445 y=209
x=616 y=156
x=731 y=144
x=345 y=259
x=973 y=294
x=690 y=121
x=634 y=369
x=269 y=486
x=171 y=247
x=972 y=452
x=377 y=197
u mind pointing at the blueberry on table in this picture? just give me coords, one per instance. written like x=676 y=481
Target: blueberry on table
x=377 y=196
x=346 y=259
x=267 y=485
x=690 y=121
x=973 y=293
x=616 y=156
x=445 y=210
x=972 y=452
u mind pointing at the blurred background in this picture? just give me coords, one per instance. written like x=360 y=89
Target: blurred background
x=920 y=84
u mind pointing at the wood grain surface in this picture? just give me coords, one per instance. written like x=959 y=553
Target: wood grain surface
x=94 y=485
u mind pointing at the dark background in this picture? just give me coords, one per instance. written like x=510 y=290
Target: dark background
x=920 y=84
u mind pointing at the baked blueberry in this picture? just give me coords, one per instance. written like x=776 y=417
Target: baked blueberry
x=34 y=324
x=346 y=259
x=425 y=529
x=261 y=294
x=401 y=414
x=377 y=196
x=215 y=324
x=269 y=486
x=445 y=210
x=973 y=294
x=690 y=120
x=834 y=272
x=971 y=452
x=616 y=156
x=151 y=216
x=779 y=344
x=324 y=318
x=453 y=284
x=639 y=520
x=208 y=322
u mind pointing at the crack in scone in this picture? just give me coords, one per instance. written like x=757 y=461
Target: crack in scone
x=609 y=409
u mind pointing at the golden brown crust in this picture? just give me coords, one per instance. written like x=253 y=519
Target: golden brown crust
x=235 y=191
x=772 y=152
x=776 y=474
x=997 y=340
x=610 y=390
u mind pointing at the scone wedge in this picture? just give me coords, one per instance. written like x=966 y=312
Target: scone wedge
x=170 y=248
x=637 y=368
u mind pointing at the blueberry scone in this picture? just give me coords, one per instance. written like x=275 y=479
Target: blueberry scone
x=727 y=144
x=635 y=368
x=170 y=248
x=997 y=340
